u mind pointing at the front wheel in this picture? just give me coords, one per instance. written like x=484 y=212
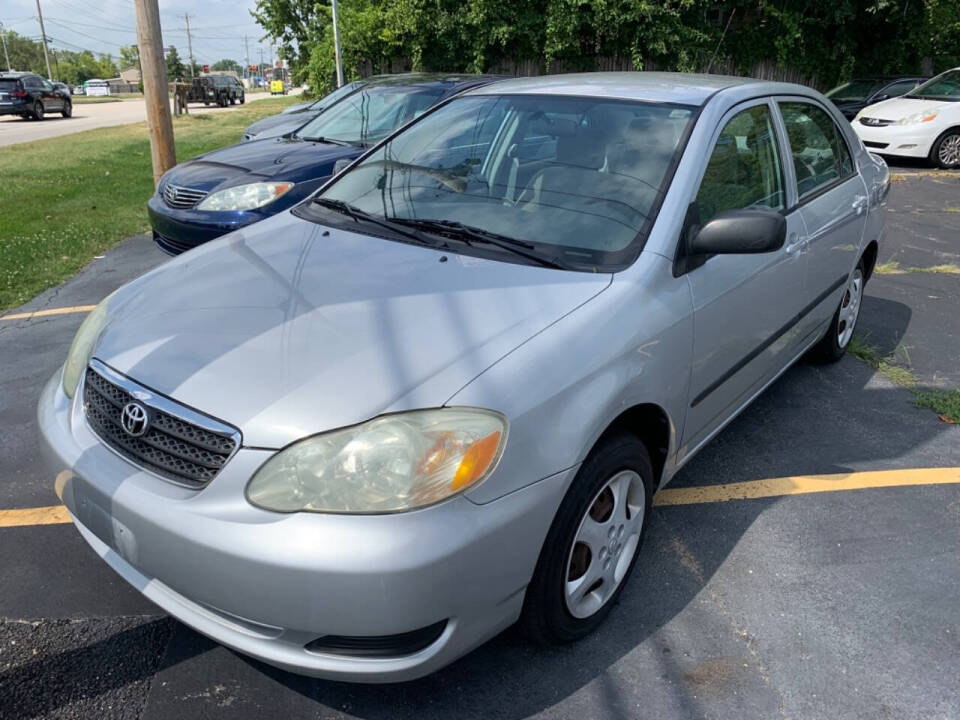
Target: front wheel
x=593 y=543
x=946 y=150
x=834 y=344
x=67 y=110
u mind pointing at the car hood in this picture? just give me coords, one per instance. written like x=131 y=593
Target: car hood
x=288 y=328
x=896 y=108
x=279 y=158
x=292 y=122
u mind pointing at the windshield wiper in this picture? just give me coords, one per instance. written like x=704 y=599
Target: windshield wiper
x=469 y=235
x=358 y=215
x=321 y=139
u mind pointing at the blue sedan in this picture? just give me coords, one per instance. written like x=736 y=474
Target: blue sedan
x=230 y=188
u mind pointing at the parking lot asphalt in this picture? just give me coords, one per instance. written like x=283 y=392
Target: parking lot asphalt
x=823 y=605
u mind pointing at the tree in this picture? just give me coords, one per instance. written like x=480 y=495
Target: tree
x=293 y=25
x=175 y=67
x=129 y=57
x=228 y=65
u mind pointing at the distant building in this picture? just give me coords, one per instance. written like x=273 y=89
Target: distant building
x=131 y=75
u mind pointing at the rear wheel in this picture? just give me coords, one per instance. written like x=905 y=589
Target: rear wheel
x=37 y=110
x=946 y=150
x=834 y=344
x=67 y=109
x=593 y=543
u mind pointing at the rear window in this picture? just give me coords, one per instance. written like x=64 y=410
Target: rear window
x=7 y=85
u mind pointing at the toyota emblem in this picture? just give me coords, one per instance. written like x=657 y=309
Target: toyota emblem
x=134 y=419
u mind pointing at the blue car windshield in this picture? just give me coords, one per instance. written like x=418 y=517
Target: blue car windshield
x=576 y=179
x=370 y=114
x=336 y=96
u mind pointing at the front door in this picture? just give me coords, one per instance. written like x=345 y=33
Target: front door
x=744 y=305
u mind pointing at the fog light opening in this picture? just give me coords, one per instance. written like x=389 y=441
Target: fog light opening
x=377 y=646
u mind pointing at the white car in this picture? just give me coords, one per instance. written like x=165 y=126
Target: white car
x=924 y=123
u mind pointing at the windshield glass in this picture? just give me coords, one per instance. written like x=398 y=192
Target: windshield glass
x=371 y=114
x=574 y=179
x=854 y=91
x=339 y=94
x=942 y=87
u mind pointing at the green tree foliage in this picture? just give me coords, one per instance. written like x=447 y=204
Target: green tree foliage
x=67 y=66
x=176 y=70
x=129 y=57
x=823 y=41
x=227 y=65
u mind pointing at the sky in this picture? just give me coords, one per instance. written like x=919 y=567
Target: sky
x=218 y=26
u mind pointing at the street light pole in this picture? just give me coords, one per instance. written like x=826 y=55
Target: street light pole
x=336 y=44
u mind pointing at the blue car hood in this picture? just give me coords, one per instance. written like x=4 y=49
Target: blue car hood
x=288 y=328
x=276 y=158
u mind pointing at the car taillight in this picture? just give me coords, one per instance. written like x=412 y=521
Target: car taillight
x=19 y=94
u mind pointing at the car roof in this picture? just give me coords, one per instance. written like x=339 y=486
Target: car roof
x=680 y=88
x=423 y=78
x=15 y=75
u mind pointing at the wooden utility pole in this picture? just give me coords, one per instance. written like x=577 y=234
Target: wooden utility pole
x=154 y=75
x=43 y=34
x=186 y=17
x=3 y=37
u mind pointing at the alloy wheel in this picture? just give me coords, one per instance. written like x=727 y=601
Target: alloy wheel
x=949 y=151
x=605 y=543
x=850 y=308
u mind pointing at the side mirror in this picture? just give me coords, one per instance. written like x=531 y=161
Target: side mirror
x=740 y=232
x=341 y=165
x=878 y=98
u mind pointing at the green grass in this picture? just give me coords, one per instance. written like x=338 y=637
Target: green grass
x=94 y=100
x=945 y=403
x=67 y=199
x=894 y=367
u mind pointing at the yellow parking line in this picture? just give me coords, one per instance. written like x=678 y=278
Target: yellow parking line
x=51 y=311
x=803 y=484
x=748 y=490
x=50 y=515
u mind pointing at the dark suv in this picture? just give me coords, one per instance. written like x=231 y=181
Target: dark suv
x=31 y=96
x=220 y=89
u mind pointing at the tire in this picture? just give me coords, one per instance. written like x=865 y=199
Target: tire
x=233 y=101
x=243 y=99
x=37 y=111
x=945 y=152
x=834 y=344
x=67 y=109
x=557 y=608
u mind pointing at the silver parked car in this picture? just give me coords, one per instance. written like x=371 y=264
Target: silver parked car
x=360 y=438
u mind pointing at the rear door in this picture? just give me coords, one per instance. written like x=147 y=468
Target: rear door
x=51 y=98
x=744 y=305
x=832 y=199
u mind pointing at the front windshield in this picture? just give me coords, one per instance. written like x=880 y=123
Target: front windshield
x=575 y=179
x=943 y=87
x=371 y=114
x=337 y=95
x=854 y=91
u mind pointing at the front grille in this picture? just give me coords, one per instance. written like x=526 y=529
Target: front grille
x=875 y=122
x=181 y=197
x=172 y=447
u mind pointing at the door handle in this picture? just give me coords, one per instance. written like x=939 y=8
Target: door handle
x=859 y=204
x=796 y=244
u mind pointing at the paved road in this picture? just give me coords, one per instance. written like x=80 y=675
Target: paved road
x=13 y=130
x=837 y=605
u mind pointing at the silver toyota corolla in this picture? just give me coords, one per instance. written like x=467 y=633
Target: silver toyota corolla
x=360 y=438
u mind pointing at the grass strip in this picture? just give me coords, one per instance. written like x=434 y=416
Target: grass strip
x=67 y=199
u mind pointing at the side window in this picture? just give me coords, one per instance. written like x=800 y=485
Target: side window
x=744 y=168
x=899 y=88
x=820 y=154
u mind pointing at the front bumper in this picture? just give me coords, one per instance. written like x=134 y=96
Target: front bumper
x=266 y=584
x=901 y=140
x=176 y=231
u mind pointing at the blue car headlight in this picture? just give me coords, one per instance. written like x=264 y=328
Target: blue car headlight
x=245 y=197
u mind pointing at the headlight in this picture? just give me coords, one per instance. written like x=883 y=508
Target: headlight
x=82 y=347
x=920 y=117
x=389 y=464
x=245 y=197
